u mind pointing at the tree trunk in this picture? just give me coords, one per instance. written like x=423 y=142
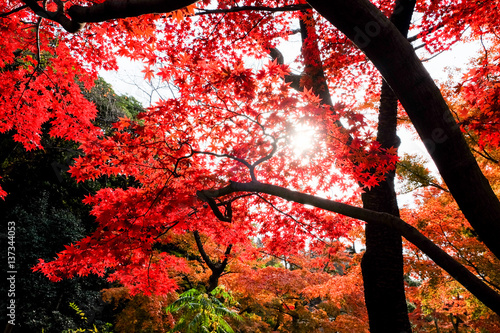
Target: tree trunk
x=382 y=263
x=217 y=267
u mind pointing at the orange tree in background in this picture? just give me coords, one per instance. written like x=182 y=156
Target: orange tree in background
x=216 y=157
x=438 y=299
x=442 y=303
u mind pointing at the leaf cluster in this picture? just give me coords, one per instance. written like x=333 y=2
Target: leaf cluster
x=202 y=312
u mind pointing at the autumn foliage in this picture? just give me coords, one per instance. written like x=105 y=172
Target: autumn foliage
x=234 y=116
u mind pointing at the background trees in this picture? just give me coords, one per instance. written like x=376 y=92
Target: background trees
x=46 y=205
x=221 y=144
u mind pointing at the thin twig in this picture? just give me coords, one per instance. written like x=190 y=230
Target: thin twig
x=15 y=10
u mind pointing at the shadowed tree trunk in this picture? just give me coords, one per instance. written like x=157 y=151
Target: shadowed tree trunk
x=382 y=264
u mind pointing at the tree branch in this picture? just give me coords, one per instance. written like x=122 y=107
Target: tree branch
x=215 y=208
x=76 y=16
x=472 y=283
x=203 y=254
x=57 y=16
x=424 y=33
x=467 y=260
x=15 y=10
x=287 y=8
x=218 y=267
x=223 y=264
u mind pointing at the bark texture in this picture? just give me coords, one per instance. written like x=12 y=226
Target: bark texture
x=382 y=263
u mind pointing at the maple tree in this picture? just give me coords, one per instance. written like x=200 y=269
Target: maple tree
x=269 y=296
x=216 y=157
x=315 y=292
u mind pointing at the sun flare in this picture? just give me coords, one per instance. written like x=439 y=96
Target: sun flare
x=302 y=138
